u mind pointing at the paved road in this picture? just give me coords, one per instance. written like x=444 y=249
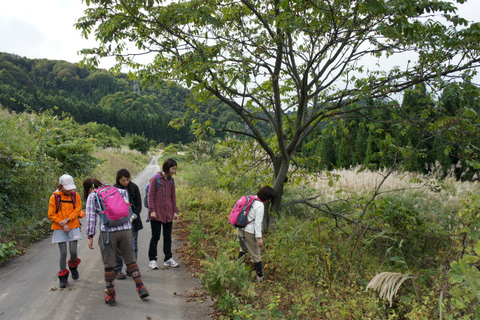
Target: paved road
x=28 y=287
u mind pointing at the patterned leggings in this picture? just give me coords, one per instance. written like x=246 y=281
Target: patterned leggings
x=72 y=246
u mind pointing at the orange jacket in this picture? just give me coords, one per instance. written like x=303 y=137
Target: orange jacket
x=66 y=211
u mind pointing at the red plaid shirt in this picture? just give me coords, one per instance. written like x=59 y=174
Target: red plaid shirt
x=162 y=200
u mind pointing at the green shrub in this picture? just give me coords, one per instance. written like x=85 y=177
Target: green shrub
x=170 y=151
x=8 y=250
x=139 y=143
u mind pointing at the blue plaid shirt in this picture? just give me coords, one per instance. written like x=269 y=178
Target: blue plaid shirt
x=93 y=209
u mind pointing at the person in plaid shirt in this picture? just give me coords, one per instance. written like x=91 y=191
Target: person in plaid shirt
x=117 y=237
x=162 y=211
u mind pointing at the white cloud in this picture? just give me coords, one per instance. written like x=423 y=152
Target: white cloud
x=43 y=29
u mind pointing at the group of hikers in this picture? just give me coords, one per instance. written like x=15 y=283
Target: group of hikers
x=118 y=239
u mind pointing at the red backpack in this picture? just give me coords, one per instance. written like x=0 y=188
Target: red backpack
x=239 y=213
x=58 y=200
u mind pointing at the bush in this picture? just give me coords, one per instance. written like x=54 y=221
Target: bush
x=8 y=250
x=139 y=143
x=170 y=151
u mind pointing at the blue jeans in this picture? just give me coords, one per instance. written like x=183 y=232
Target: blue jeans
x=118 y=256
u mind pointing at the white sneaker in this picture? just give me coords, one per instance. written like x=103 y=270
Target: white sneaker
x=153 y=265
x=170 y=263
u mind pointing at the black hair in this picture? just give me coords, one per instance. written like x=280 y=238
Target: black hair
x=266 y=193
x=122 y=173
x=168 y=164
x=87 y=184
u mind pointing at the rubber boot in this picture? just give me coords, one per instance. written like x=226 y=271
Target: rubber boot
x=258 y=269
x=73 y=268
x=241 y=254
x=63 y=278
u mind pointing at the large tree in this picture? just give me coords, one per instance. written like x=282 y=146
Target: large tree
x=293 y=65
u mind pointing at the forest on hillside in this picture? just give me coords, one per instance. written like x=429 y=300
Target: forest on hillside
x=95 y=95
x=352 y=143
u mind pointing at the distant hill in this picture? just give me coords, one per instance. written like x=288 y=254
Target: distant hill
x=95 y=95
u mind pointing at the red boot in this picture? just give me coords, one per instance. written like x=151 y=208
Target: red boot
x=73 y=268
x=63 y=278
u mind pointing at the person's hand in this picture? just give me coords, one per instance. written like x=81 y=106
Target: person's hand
x=175 y=217
x=66 y=228
x=260 y=242
x=63 y=222
x=90 y=243
x=153 y=215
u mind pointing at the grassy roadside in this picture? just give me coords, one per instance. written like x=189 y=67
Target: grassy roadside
x=312 y=269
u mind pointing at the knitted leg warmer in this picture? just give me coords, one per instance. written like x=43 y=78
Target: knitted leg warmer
x=135 y=272
x=110 y=281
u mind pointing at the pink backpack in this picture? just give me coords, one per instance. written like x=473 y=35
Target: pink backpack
x=239 y=213
x=115 y=210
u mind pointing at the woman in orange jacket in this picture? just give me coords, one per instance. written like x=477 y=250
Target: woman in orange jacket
x=63 y=209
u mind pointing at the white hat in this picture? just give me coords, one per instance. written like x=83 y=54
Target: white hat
x=67 y=182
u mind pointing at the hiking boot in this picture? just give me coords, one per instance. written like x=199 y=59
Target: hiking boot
x=142 y=292
x=259 y=279
x=73 y=268
x=120 y=276
x=110 y=300
x=153 y=265
x=63 y=278
x=170 y=263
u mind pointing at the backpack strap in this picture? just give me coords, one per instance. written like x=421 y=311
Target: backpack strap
x=255 y=198
x=100 y=204
x=58 y=200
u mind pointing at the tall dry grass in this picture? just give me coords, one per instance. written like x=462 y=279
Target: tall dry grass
x=356 y=183
x=114 y=159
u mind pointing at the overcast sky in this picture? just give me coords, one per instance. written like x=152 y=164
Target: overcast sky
x=44 y=28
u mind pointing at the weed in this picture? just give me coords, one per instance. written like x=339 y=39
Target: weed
x=8 y=250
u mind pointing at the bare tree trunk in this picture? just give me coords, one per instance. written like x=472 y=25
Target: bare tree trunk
x=280 y=166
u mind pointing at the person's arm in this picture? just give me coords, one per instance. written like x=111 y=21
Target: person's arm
x=259 y=213
x=52 y=210
x=91 y=215
x=137 y=205
x=151 y=197
x=174 y=198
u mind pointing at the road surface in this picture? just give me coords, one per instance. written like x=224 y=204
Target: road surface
x=29 y=288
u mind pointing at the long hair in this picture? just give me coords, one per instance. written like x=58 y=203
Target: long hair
x=120 y=174
x=87 y=184
x=168 y=164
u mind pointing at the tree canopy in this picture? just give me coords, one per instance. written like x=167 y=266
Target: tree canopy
x=292 y=65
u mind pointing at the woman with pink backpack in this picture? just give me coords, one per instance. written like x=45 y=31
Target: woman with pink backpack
x=113 y=234
x=250 y=237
